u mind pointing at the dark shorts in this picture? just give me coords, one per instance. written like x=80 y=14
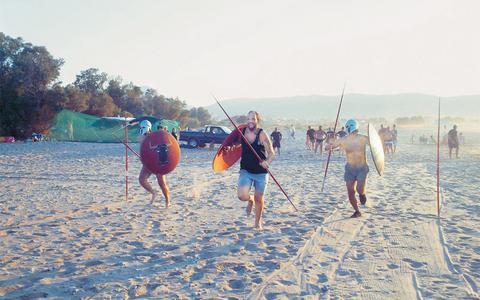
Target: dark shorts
x=319 y=141
x=276 y=144
x=452 y=145
x=356 y=173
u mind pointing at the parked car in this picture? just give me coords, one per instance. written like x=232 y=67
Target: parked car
x=210 y=134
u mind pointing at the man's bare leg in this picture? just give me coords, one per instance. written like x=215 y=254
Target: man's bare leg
x=259 y=203
x=361 y=190
x=352 y=199
x=162 y=182
x=244 y=195
x=143 y=179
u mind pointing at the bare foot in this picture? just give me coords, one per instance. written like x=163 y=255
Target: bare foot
x=259 y=227
x=167 y=203
x=154 y=195
x=249 y=208
x=356 y=214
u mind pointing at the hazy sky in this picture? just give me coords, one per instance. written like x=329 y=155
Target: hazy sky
x=261 y=48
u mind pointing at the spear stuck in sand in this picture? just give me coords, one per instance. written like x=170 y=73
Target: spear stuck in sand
x=438 y=161
x=334 y=132
x=254 y=152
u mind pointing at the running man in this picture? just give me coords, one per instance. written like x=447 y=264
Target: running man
x=146 y=129
x=453 y=142
x=320 y=136
x=253 y=172
x=356 y=169
x=276 y=137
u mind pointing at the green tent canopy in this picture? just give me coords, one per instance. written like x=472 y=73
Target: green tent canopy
x=77 y=127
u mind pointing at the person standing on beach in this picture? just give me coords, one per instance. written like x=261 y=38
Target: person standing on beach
x=342 y=133
x=320 y=136
x=329 y=139
x=292 y=132
x=253 y=172
x=453 y=142
x=356 y=169
x=276 y=137
x=146 y=129
x=381 y=133
x=461 y=139
x=310 y=138
x=394 y=137
x=388 y=140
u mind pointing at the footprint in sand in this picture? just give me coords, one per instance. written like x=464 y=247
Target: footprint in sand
x=328 y=249
x=413 y=264
x=359 y=256
x=393 y=266
x=236 y=284
x=322 y=278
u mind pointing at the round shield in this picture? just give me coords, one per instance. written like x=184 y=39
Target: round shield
x=376 y=148
x=230 y=151
x=160 y=152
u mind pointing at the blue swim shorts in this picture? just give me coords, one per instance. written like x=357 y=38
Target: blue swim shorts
x=259 y=181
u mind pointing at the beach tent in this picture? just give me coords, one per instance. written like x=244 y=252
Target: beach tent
x=77 y=127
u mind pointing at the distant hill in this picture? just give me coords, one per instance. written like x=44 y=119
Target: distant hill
x=354 y=105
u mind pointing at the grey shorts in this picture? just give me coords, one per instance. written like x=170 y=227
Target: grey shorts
x=356 y=173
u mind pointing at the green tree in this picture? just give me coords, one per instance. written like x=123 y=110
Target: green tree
x=91 y=81
x=102 y=105
x=118 y=93
x=26 y=74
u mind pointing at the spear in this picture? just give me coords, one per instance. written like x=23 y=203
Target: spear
x=128 y=146
x=254 y=152
x=438 y=161
x=334 y=132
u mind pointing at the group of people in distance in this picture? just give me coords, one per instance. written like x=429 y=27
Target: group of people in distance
x=389 y=138
x=453 y=139
x=322 y=140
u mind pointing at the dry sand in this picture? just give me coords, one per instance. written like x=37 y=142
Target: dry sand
x=66 y=230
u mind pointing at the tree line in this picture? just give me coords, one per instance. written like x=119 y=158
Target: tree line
x=31 y=95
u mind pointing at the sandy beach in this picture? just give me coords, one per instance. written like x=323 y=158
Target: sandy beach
x=66 y=230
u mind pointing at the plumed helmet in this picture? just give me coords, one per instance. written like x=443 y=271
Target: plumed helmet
x=145 y=126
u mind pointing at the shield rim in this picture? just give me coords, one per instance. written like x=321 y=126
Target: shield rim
x=379 y=171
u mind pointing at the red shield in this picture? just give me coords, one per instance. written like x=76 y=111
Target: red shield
x=160 y=152
x=230 y=151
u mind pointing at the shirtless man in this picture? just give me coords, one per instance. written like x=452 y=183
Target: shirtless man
x=146 y=129
x=320 y=136
x=253 y=172
x=356 y=169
